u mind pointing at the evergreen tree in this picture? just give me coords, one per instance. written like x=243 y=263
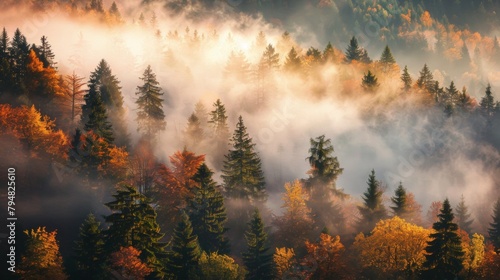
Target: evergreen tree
x=370 y=82
x=201 y=113
x=261 y=41
x=5 y=65
x=406 y=79
x=292 y=62
x=242 y=171
x=364 y=57
x=185 y=251
x=387 y=60
x=494 y=230
x=329 y=53
x=194 y=131
x=426 y=80
x=114 y=12
x=133 y=223
x=4 y=44
x=444 y=250
x=207 y=214
x=237 y=66
x=150 y=116
x=18 y=52
x=314 y=56
x=89 y=250
x=372 y=210
x=353 y=51
x=400 y=207
x=257 y=258
x=270 y=59
x=218 y=119
x=451 y=95
x=464 y=221
x=488 y=105
x=44 y=52
x=98 y=119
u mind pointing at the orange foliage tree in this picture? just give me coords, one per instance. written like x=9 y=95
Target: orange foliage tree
x=325 y=259
x=127 y=263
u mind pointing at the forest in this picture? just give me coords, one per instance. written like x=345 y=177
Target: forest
x=250 y=139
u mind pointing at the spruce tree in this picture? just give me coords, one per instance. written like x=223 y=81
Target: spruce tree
x=218 y=119
x=45 y=53
x=292 y=62
x=488 y=105
x=242 y=170
x=329 y=53
x=372 y=210
x=353 y=51
x=406 y=79
x=237 y=66
x=185 y=251
x=133 y=223
x=444 y=251
x=270 y=59
x=426 y=80
x=207 y=214
x=364 y=57
x=370 y=82
x=89 y=250
x=494 y=229
x=400 y=207
x=150 y=116
x=386 y=58
x=257 y=258
x=98 y=120
x=464 y=221
x=18 y=53
x=194 y=131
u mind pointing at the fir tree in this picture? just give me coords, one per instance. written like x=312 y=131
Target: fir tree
x=329 y=53
x=494 y=229
x=444 y=250
x=98 y=119
x=270 y=59
x=426 y=80
x=150 y=116
x=488 y=105
x=133 y=223
x=237 y=66
x=292 y=62
x=194 y=131
x=44 y=52
x=201 y=113
x=242 y=171
x=353 y=51
x=372 y=210
x=18 y=53
x=257 y=258
x=5 y=65
x=464 y=221
x=261 y=41
x=218 y=119
x=387 y=60
x=406 y=79
x=114 y=12
x=89 y=250
x=400 y=207
x=364 y=57
x=207 y=214
x=370 y=82
x=185 y=251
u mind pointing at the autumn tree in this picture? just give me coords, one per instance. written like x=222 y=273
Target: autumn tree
x=370 y=82
x=406 y=79
x=353 y=51
x=295 y=225
x=74 y=93
x=207 y=213
x=127 y=263
x=185 y=251
x=463 y=219
x=89 y=250
x=494 y=229
x=40 y=81
x=133 y=223
x=41 y=258
x=143 y=168
x=394 y=248
x=284 y=260
x=473 y=253
x=242 y=171
x=372 y=209
x=444 y=251
x=215 y=266
x=150 y=116
x=257 y=258
x=433 y=212
x=327 y=256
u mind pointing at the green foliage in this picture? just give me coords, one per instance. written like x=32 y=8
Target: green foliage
x=494 y=229
x=444 y=250
x=370 y=82
x=150 y=116
x=400 y=207
x=207 y=214
x=372 y=210
x=464 y=221
x=406 y=79
x=89 y=250
x=488 y=104
x=97 y=121
x=257 y=259
x=218 y=119
x=386 y=57
x=216 y=266
x=353 y=51
x=242 y=171
x=426 y=80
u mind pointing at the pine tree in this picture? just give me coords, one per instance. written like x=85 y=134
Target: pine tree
x=201 y=113
x=444 y=250
x=150 y=116
x=98 y=119
x=353 y=51
x=207 y=214
x=329 y=54
x=386 y=58
x=218 y=119
x=114 y=12
x=45 y=53
x=364 y=57
x=494 y=230
x=370 y=82
x=270 y=59
x=257 y=258
x=464 y=221
x=242 y=171
x=237 y=66
x=185 y=251
x=194 y=131
x=426 y=80
x=292 y=62
x=261 y=41
x=133 y=223
x=488 y=105
x=5 y=65
x=372 y=210
x=89 y=250
x=406 y=79
x=18 y=52
x=400 y=207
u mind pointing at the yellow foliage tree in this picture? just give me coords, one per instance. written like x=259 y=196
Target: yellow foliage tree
x=393 y=247
x=474 y=251
x=42 y=259
x=217 y=267
x=284 y=259
x=326 y=258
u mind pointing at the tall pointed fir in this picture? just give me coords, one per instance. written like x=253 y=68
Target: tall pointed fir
x=406 y=79
x=97 y=120
x=18 y=52
x=185 y=251
x=194 y=132
x=463 y=219
x=292 y=62
x=237 y=67
x=218 y=120
x=494 y=229
x=444 y=251
x=242 y=171
x=207 y=214
x=150 y=116
x=426 y=79
x=133 y=223
x=45 y=53
x=103 y=83
x=370 y=82
x=387 y=61
x=321 y=184
x=372 y=209
x=89 y=250
x=353 y=51
x=257 y=258
x=488 y=105
x=399 y=201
